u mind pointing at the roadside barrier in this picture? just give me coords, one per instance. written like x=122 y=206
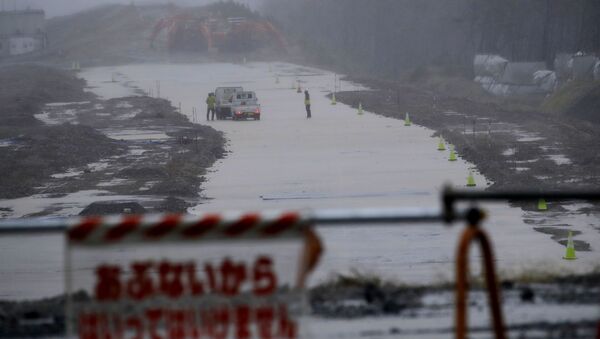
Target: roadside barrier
x=441 y=145
x=407 y=121
x=471 y=180
x=542 y=206
x=452 y=156
x=570 y=250
x=92 y=233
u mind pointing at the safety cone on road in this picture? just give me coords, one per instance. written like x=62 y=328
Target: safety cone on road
x=360 y=109
x=452 y=156
x=333 y=101
x=570 y=253
x=542 y=206
x=407 y=120
x=471 y=180
x=441 y=146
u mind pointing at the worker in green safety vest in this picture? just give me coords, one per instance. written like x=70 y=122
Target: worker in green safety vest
x=210 y=106
x=307 y=104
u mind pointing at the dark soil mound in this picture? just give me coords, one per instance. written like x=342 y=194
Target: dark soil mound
x=173 y=205
x=44 y=151
x=27 y=87
x=113 y=207
x=39 y=150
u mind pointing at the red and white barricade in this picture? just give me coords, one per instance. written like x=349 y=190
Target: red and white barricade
x=208 y=276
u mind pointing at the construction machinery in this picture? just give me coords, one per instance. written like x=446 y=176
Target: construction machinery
x=189 y=32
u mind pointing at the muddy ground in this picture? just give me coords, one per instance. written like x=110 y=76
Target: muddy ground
x=512 y=141
x=360 y=299
x=58 y=139
x=514 y=147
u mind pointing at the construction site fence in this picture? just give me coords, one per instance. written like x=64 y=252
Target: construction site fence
x=79 y=229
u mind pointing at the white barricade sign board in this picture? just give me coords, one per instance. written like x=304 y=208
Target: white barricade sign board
x=238 y=276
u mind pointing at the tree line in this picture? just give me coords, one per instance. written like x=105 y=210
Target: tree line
x=390 y=37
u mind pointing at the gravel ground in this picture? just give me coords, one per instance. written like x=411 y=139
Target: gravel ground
x=58 y=139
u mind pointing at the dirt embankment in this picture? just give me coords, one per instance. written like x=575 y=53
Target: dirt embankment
x=32 y=151
x=512 y=143
x=57 y=139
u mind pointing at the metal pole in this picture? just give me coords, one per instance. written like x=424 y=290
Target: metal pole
x=346 y=217
x=321 y=218
x=463 y=195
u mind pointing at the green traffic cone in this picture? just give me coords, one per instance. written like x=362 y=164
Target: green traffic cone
x=471 y=180
x=360 y=110
x=441 y=146
x=542 y=206
x=407 y=120
x=452 y=156
x=333 y=101
x=570 y=253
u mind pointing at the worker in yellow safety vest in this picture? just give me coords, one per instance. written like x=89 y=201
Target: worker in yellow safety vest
x=307 y=104
x=210 y=106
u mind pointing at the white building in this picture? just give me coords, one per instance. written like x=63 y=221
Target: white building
x=22 y=32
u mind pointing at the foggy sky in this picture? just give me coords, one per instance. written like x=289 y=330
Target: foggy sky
x=63 y=7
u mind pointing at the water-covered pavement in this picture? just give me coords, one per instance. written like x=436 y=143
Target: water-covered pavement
x=336 y=159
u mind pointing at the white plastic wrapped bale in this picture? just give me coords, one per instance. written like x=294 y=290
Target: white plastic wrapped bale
x=545 y=80
x=563 y=66
x=485 y=82
x=521 y=73
x=487 y=65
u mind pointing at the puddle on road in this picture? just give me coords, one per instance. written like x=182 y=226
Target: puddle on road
x=131 y=134
x=71 y=172
x=560 y=159
x=113 y=182
x=57 y=117
x=59 y=104
x=530 y=139
x=508 y=152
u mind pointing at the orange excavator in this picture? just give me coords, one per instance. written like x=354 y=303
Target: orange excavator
x=186 y=32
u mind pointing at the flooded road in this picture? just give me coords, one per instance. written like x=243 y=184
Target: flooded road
x=337 y=159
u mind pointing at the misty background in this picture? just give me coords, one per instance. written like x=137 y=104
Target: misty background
x=55 y=8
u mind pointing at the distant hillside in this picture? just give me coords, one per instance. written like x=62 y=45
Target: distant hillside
x=104 y=34
x=114 y=34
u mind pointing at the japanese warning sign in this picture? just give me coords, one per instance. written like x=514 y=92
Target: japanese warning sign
x=211 y=276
